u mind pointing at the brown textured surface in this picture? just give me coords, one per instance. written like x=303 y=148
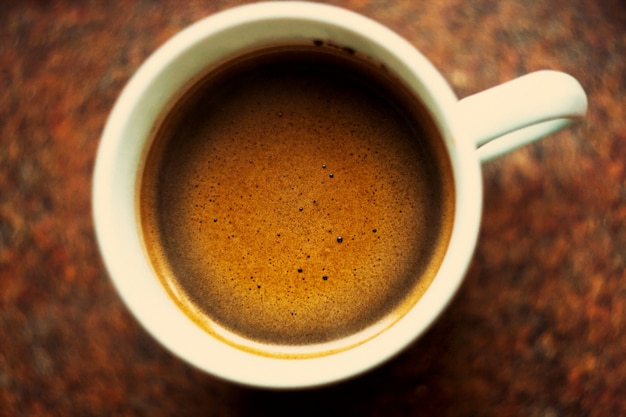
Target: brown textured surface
x=538 y=328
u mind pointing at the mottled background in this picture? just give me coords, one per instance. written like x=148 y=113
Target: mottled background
x=538 y=328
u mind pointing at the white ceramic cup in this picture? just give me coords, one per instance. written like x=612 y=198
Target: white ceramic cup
x=474 y=129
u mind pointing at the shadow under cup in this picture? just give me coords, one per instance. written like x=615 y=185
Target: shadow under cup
x=296 y=200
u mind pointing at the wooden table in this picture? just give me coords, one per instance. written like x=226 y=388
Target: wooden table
x=537 y=329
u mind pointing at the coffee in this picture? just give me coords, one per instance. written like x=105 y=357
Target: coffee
x=295 y=197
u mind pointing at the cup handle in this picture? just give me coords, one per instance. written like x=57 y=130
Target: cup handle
x=520 y=111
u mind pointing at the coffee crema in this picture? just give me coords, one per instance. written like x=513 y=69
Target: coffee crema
x=294 y=198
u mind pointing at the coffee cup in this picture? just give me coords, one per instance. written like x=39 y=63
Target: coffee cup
x=302 y=238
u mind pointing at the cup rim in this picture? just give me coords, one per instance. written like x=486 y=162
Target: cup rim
x=117 y=235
